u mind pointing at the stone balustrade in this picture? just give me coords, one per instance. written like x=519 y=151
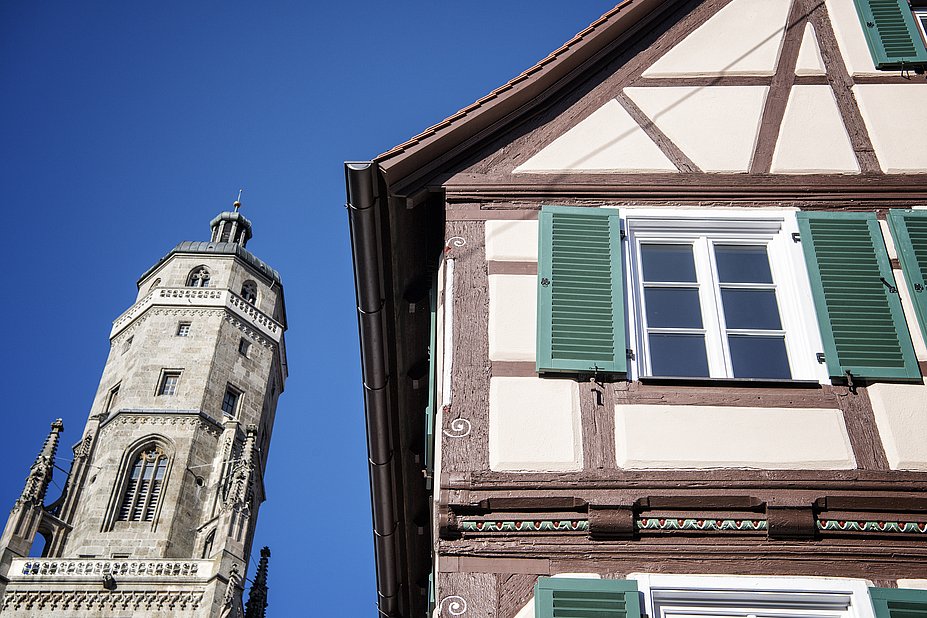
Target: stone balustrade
x=27 y=568
x=203 y=297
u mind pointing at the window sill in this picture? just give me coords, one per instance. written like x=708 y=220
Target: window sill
x=757 y=382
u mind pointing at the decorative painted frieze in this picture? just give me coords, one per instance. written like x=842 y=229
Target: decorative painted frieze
x=545 y=525
x=674 y=524
x=908 y=527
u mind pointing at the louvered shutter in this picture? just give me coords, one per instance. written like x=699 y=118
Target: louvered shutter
x=899 y=602
x=909 y=229
x=861 y=320
x=564 y=597
x=581 y=324
x=892 y=34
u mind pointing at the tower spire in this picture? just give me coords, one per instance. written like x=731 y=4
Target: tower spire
x=257 y=599
x=40 y=474
x=231 y=226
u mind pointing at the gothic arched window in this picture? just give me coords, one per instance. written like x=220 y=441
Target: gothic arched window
x=198 y=278
x=143 y=487
x=249 y=291
x=154 y=285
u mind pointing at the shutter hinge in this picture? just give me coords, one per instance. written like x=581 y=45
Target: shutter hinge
x=623 y=234
x=796 y=237
x=820 y=357
x=629 y=353
x=849 y=376
x=891 y=289
x=918 y=287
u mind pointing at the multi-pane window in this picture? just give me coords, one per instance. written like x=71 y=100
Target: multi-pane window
x=230 y=402
x=249 y=291
x=169 y=382
x=920 y=16
x=710 y=310
x=183 y=329
x=144 y=486
x=243 y=346
x=199 y=277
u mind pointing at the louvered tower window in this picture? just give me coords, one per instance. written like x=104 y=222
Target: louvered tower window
x=144 y=486
x=249 y=291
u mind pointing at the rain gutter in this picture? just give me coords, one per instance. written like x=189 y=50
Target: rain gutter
x=364 y=201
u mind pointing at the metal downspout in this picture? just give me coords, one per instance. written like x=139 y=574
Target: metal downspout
x=363 y=200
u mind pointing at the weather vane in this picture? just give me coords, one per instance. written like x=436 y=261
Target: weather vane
x=237 y=203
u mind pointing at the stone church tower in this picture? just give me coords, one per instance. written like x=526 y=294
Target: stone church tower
x=160 y=505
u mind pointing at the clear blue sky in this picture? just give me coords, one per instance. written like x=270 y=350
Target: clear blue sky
x=125 y=127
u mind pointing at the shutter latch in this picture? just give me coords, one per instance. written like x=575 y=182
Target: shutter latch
x=891 y=289
x=918 y=287
x=796 y=237
x=820 y=357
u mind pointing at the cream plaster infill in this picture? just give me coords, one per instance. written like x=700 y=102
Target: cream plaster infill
x=893 y=114
x=704 y=437
x=716 y=126
x=200 y=297
x=810 y=61
x=901 y=416
x=512 y=241
x=743 y=38
x=850 y=37
x=512 y=317
x=534 y=425
x=917 y=584
x=813 y=138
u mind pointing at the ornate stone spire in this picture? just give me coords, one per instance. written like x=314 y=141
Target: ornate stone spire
x=40 y=474
x=242 y=479
x=257 y=598
x=231 y=226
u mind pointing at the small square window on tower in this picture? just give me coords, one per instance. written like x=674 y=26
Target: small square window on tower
x=244 y=346
x=127 y=344
x=230 y=402
x=183 y=329
x=169 y=381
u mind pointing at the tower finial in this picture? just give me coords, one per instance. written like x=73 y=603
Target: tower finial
x=237 y=203
x=40 y=474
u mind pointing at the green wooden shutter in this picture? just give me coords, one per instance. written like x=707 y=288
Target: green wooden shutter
x=909 y=229
x=581 y=325
x=564 y=597
x=899 y=602
x=861 y=320
x=891 y=32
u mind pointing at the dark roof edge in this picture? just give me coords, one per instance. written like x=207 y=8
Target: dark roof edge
x=219 y=248
x=416 y=157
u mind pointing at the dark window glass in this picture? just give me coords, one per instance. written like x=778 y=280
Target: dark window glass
x=742 y=264
x=229 y=402
x=759 y=357
x=673 y=263
x=678 y=355
x=756 y=309
x=673 y=308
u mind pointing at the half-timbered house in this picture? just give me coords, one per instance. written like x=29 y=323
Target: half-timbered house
x=643 y=329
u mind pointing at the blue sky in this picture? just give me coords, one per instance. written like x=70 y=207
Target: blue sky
x=125 y=127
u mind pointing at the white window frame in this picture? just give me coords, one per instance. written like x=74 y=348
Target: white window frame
x=739 y=596
x=771 y=227
x=919 y=15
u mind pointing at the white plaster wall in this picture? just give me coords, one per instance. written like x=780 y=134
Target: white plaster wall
x=893 y=114
x=512 y=317
x=850 y=37
x=716 y=126
x=512 y=241
x=743 y=38
x=608 y=140
x=813 y=138
x=901 y=416
x=918 y=584
x=534 y=425
x=810 y=61
x=666 y=436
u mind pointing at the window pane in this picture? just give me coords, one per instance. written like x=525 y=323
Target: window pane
x=751 y=309
x=673 y=308
x=742 y=264
x=678 y=355
x=668 y=263
x=759 y=357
